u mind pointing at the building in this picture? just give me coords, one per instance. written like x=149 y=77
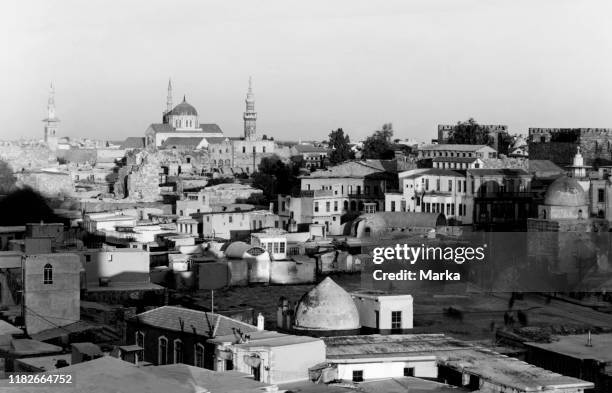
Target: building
x=220 y=194
x=171 y=334
x=384 y=224
x=433 y=190
x=497 y=133
x=384 y=313
x=51 y=122
x=269 y=356
x=560 y=144
x=313 y=157
x=51 y=291
x=231 y=222
x=451 y=156
x=502 y=198
x=584 y=356
x=180 y=130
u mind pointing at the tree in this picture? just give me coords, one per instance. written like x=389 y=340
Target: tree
x=339 y=144
x=470 y=133
x=275 y=177
x=379 y=145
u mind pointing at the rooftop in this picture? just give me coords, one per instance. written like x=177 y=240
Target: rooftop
x=575 y=346
x=170 y=318
x=455 y=147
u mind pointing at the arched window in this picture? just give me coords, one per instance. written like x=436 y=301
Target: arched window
x=48 y=274
x=140 y=339
x=199 y=356
x=178 y=351
x=162 y=351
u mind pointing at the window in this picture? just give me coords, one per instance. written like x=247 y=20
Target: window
x=254 y=149
x=327 y=206
x=281 y=247
x=335 y=206
x=276 y=247
x=199 y=356
x=437 y=184
x=87 y=258
x=426 y=184
x=357 y=375
x=408 y=371
x=396 y=319
x=316 y=207
x=162 y=351
x=283 y=206
x=263 y=149
x=600 y=195
x=230 y=219
x=244 y=149
x=48 y=274
x=178 y=351
x=450 y=185
x=392 y=206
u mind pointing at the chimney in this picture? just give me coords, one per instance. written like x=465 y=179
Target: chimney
x=589 y=341
x=260 y=322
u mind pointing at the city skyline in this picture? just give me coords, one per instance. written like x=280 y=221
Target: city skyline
x=315 y=67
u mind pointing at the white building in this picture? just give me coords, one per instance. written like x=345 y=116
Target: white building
x=384 y=313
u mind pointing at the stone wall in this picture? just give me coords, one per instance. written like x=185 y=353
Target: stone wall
x=49 y=184
x=26 y=157
x=143 y=178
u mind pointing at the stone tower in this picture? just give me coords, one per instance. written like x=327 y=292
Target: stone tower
x=250 y=116
x=51 y=122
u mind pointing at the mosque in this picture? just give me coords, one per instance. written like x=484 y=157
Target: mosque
x=181 y=129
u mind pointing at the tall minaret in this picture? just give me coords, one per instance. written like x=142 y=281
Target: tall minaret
x=51 y=122
x=169 y=96
x=250 y=116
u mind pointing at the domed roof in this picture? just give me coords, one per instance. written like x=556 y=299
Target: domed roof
x=240 y=250
x=184 y=109
x=565 y=191
x=326 y=307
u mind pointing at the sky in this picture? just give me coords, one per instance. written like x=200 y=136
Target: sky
x=317 y=65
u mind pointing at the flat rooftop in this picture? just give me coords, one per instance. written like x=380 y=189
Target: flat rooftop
x=575 y=346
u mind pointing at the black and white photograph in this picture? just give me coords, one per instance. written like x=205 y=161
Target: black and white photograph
x=281 y=196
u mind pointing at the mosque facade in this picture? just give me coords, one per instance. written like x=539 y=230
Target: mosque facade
x=181 y=129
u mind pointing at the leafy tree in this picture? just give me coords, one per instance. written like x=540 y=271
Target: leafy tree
x=341 y=150
x=275 y=177
x=470 y=133
x=379 y=145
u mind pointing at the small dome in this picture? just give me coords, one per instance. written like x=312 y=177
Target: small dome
x=565 y=191
x=184 y=109
x=326 y=307
x=241 y=250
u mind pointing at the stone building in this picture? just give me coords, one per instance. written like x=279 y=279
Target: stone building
x=139 y=178
x=497 y=132
x=180 y=130
x=560 y=144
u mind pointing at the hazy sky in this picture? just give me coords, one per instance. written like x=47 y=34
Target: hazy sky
x=316 y=65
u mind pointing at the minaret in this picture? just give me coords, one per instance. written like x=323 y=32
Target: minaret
x=51 y=122
x=250 y=116
x=169 y=96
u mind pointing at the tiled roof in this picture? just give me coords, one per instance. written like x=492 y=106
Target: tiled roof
x=133 y=142
x=454 y=159
x=455 y=147
x=212 y=128
x=170 y=317
x=309 y=149
x=192 y=142
x=435 y=172
x=501 y=172
x=159 y=127
x=216 y=139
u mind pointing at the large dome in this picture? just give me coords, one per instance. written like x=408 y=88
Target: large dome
x=327 y=307
x=184 y=109
x=565 y=191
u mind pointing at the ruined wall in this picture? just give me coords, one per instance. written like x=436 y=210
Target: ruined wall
x=20 y=157
x=143 y=178
x=49 y=184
